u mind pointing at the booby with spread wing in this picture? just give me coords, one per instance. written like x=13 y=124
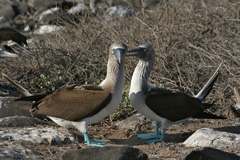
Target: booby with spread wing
x=162 y=105
x=78 y=106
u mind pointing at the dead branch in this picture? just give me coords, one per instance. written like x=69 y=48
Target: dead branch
x=23 y=91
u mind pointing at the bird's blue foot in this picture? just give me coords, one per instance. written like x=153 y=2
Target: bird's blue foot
x=93 y=142
x=150 y=137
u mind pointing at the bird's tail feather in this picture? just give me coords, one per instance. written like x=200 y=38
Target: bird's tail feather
x=32 y=98
x=202 y=94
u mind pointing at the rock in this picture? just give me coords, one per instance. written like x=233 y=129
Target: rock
x=44 y=16
x=236 y=109
x=149 y=3
x=120 y=11
x=105 y=153
x=132 y=122
x=6 y=11
x=6 y=54
x=44 y=4
x=45 y=135
x=207 y=137
x=79 y=8
x=17 y=152
x=20 y=121
x=49 y=17
x=10 y=107
x=211 y=154
x=45 y=29
x=11 y=8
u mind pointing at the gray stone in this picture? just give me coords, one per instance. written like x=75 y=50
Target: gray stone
x=44 y=4
x=236 y=110
x=105 y=153
x=45 y=29
x=44 y=16
x=132 y=122
x=9 y=151
x=207 y=137
x=48 y=17
x=20 y=121
x=120 y=11
x=79 y=8
x=211 y=154
x=11 y=8
x=40 y=135
x=149 y=3
x=10 y=107
x=6 y=54
x=6 y=11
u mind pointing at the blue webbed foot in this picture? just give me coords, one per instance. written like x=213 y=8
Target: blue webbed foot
x=150 y=137
x=93 y=142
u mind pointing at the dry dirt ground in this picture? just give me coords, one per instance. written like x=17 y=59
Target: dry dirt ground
x=170 y=149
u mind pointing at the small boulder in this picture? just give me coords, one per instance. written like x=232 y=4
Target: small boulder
x=236 y=110
x=19 y=121
x=44 y=16
x=6 y=11
x=206 y=137
x=10 y=107
x=105 y=153
x=39 y=135
x=44 y=4
x=46 y=29
x=211 y=154
x=9 y=151
x=78 y=9
x=6 y=54
x=149 y=3
x=120 y=11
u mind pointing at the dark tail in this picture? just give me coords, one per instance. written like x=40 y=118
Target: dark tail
x=32 y=98
x=202 y=94
x=205 y=115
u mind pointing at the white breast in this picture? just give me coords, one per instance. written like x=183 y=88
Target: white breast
x=136 y=93
x=113 y=104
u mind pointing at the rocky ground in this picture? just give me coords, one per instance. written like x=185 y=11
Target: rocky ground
x=67 y=41
x=36 y=141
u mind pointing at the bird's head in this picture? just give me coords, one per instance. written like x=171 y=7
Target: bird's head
x=143 y=51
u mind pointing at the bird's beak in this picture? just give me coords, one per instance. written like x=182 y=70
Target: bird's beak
x=6 y=54
x=134 y=52
x=119 y=54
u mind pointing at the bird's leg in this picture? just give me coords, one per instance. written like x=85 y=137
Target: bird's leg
x=154 y=137
x=82 y=127
x=92 y=142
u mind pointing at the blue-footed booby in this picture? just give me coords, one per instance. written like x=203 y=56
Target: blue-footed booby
x=78 y=106
x=162 y=105
x=6 y=54
x=8 y=33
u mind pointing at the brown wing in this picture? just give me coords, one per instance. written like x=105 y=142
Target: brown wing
x=172 y=106
x=73 y=103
